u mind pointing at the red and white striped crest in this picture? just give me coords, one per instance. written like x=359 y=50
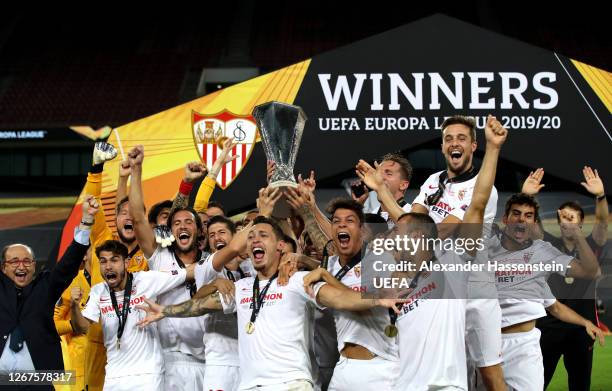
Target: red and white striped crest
x=208 y=131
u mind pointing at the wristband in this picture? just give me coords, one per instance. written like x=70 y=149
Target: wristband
x=601 y=197
x=86 y=223
x=185 y=187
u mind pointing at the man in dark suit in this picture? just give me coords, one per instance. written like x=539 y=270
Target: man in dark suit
x=28 y=338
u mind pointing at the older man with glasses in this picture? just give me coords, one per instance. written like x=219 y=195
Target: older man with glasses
x=28 y=338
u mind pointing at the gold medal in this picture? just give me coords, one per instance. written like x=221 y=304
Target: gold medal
x=569 y=280
x=391 y=331
x=250 y=327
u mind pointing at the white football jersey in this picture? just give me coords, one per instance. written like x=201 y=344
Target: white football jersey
x=524 y=294
x=281 y=341
x=455 y=199
x=140 y=350
x=177 y=334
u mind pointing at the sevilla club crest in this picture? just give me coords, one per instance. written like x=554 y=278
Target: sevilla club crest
x=357 y=270
x=209 y=132
x=461 y=194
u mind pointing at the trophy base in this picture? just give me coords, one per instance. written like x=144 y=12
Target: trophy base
x=284 y=183
x=282 y=209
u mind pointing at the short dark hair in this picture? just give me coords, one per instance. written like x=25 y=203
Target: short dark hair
x=522 y=199
x=222 y=220
x=278 y=232
x=156 y=210
x=425 y=223
x=405 y=166
x=574 y=205
x=114 y=246
x=120 y=204
x=346 y=203
x=463 y=120
x=196 y=217
x=289 y=240
x=216 y=204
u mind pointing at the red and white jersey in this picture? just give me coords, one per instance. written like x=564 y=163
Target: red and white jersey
x=140 y=351
x=220 y=330
x=455 y=199
x=524 y=294
x=365 y=328
x=431 y=330
x=278 y=350
x=177 y=334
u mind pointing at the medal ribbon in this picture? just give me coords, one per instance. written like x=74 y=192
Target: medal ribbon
x=123 y=314
x=259 y=298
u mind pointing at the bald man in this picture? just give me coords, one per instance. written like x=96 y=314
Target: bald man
x=29 y=340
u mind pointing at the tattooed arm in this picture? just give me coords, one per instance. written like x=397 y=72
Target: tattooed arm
x=193 y=172
x=194 y=307
x=317 y=234
x=302 y=201
x=180 y=201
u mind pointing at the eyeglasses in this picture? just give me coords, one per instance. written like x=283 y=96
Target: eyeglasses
x=27 y=262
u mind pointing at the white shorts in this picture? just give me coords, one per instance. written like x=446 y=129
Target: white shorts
x=483 y=332
x=375 y=374
x=153 y=382
x=221 y=378
x=523 y=366
x=183 y=372
x=293 y=385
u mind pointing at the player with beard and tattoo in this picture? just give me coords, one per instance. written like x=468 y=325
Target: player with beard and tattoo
x=95 y=356
x=181 y=339
x=135 y=359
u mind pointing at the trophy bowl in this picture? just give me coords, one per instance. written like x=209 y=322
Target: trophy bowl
x=281 y=126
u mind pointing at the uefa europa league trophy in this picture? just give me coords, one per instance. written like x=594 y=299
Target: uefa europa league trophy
x=281 y=126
